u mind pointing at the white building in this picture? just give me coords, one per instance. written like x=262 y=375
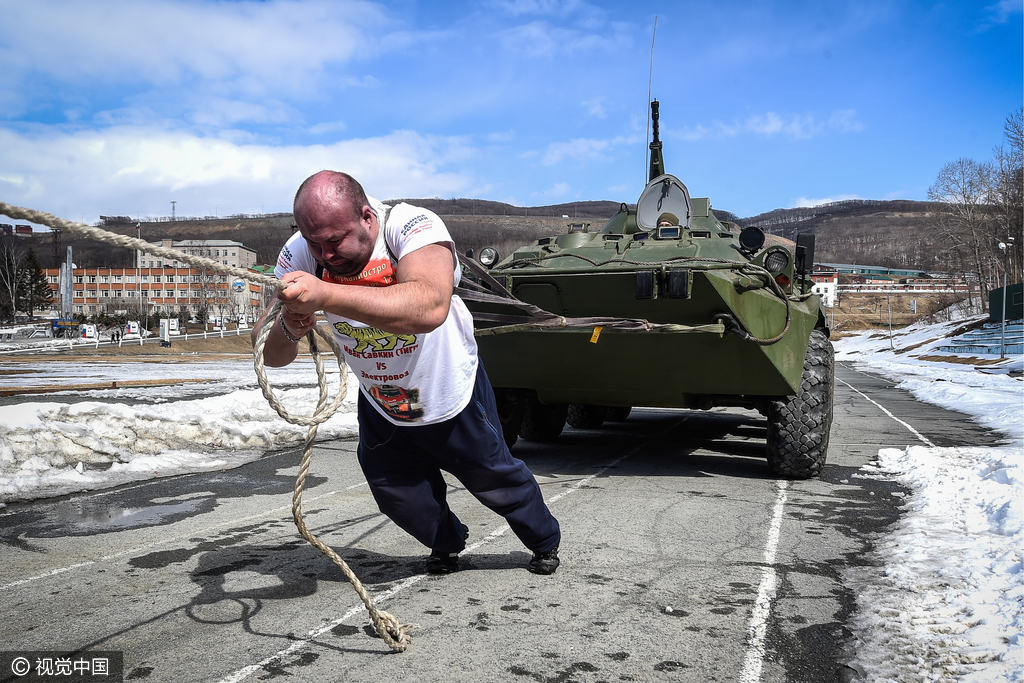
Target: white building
x=825 y=286
x=225 y=252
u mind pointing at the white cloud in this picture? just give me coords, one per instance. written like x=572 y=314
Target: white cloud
x=327 y=127
x=1000 y=12
x=135 y=169
x=124 y=116
x=807 y=202
x=218 y=112
x=500 y=137
x=845 y=121
x=770 y=124
x=558 y=190
x=580 y=148
x=539 y=39
x=256 y=47
x=595 y=107
x=15 y=180
x=796 y=126
x=535 y=39
x=542 y=7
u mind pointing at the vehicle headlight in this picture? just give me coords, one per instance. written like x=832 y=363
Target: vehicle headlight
x=776 y=261
x=751 y=239
x=488 y=256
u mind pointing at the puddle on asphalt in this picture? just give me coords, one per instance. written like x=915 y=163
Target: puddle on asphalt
x=97 y=517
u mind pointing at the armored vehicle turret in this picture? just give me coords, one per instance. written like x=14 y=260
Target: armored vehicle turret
x=664 y=306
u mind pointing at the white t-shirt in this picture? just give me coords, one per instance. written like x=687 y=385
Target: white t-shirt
x=409 y=378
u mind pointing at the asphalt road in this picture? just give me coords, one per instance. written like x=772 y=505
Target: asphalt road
x=682 y=560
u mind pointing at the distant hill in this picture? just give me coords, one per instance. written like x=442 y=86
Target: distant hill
x=895 y=234
x=898 y=233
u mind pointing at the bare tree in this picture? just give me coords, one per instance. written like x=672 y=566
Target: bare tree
x=1013 y=131
x=1008 y=190
x=204 y=289
x=12 y=257
x=964 y=188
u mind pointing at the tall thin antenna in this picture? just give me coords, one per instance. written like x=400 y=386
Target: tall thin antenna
x=647 y=105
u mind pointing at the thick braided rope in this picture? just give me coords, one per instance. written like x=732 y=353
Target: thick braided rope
x=388 y=627
x=395 y=634
x=544 y=320
x=108 y=237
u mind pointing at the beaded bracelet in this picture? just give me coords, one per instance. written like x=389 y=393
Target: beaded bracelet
x=288 y=334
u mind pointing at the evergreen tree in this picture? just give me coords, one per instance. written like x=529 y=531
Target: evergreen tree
x=34 y=289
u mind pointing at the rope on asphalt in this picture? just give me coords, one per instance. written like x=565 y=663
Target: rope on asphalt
x=394 y=633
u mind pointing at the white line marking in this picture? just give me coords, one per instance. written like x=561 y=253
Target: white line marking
x=52 y=572
x=244 y=673
x=913 y=431
x=105 y=558
x=582 y=482
x=758 y=627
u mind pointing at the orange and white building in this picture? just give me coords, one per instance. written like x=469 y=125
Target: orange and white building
x=165 y=288
x=159 y=292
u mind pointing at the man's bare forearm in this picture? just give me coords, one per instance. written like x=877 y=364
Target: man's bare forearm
x=408 y=308
x=278 y=350
x=418 y=302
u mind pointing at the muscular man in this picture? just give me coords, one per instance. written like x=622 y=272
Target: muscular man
x=384 y=278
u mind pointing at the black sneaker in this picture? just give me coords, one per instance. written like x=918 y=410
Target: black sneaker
x=544 y=563
x=442 y=563
x=445 y=563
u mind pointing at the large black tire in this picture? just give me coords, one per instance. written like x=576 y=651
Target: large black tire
x=543 y=422
x=511 y=408
x=798 y=426
x=586 y=417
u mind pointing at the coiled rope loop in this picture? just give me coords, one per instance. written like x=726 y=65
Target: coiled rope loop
x=395 y=634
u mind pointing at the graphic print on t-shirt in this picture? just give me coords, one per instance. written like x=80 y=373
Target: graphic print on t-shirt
x=399 y=403
x=372 y=343
x=375 y=339
x=377 y=273
x=400 y=375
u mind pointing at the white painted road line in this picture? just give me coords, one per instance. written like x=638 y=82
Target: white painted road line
x=172 y=539
x=913 y=431
x=758 y=626
x=245 y=672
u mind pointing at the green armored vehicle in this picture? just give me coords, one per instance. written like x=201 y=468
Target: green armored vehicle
x=665 y=306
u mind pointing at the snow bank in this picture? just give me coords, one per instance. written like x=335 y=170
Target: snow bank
x=943 y=596
x=52 y=448
x=948 y=602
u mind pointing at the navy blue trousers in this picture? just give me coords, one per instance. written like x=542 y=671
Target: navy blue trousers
x=403 y=466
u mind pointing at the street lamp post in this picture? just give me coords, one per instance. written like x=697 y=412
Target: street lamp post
x=1005 y=248
x=888 y=304
x=138 y=280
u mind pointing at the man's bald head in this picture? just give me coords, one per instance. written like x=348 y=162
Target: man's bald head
x=335 y=218
x=329 y=190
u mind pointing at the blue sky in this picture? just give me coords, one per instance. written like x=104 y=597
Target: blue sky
x=119 y=107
